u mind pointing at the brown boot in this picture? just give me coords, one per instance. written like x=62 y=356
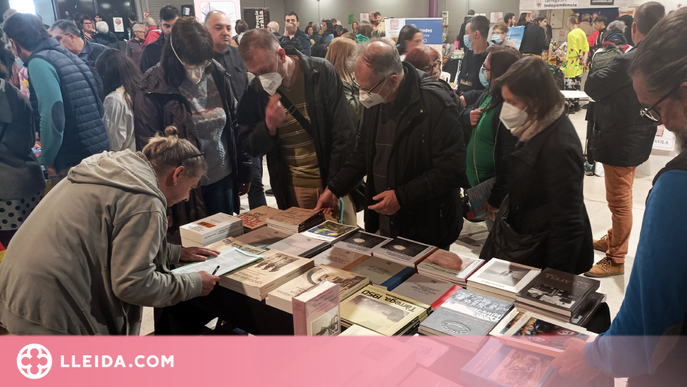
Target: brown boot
x=601 y=244
x=606 y=268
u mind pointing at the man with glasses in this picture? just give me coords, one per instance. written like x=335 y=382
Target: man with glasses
x=410 y=147
x=621 y=140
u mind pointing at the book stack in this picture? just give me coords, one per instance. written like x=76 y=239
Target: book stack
x=383 y=273
x=403 y=251
x=384 y=312
x=339 y=258
x=295 y=220
x=274 y=270
x=262 y=238
x=556 y=294
x=501 y=279
x=426 y=290
x=227 y=261
x=468 y=315
x=301 y=245
x=316 y=311
x=589 y=306
x=330 y=232
x=210 y=230
x=447 y=266
x=361 y=242
x=257 y=217
x=357 y=330
x=349 y=283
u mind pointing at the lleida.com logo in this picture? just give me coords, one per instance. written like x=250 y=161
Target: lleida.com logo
x=34 y=361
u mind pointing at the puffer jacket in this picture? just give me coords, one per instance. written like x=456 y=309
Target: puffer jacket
x=426 y=167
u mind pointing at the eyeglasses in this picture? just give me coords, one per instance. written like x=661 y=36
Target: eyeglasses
x=485 y=68
x=650 y=112
x=376 y=85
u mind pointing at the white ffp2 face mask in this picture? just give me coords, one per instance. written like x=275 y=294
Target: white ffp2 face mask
x=512 y=117
x=369 y=100
x=195 y=73
x=270 y=82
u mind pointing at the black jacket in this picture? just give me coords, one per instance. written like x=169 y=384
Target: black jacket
x=628 y=20
x=305 y=42
x=504 y=145
x=621 y=137
x=533 y=40
x=469 y=71
x=426 y=167
x=332 y=127
x=109 y=39
x=152 y=53
x=236 y=68
x=546 y=196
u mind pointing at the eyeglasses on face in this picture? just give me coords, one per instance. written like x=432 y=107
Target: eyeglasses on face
x=651 y=112
x=376 y=85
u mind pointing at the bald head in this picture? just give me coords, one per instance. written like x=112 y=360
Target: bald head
x=219 y=26
x=273 y=26
x=378 y=68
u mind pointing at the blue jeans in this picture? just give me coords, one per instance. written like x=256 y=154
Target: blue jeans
x=256 y=194
x=219 y=196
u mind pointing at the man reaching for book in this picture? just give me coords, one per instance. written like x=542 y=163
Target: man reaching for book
x=644 y=341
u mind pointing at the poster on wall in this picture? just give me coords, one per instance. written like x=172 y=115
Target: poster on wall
x=364 y=17
x=556 y=18
x=604 y=3
x=118 y=23
x=432 y=30
x=444 y=16
x=664 y=140
x=256 y=17
x=232 y=8
x=496 y=17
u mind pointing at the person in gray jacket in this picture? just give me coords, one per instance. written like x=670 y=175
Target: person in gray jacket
x=94 y=252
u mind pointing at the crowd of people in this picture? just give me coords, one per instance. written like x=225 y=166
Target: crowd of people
x=175 y=127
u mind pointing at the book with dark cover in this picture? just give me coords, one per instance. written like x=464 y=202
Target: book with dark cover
x=587 y=309
x=403 y=251
x=557 y=291
x=295 y=220
x=398 y=278
x=361 y=242
x=330 y=232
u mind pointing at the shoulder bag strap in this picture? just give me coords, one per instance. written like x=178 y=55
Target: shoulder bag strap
x=295 y=112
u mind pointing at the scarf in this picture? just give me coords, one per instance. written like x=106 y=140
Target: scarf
x=533 y=127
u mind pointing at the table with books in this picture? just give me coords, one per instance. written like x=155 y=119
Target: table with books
x=293 y=271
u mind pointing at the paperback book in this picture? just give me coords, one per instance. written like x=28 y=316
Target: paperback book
x=357 y=330
x=227 y=261
x=210 y=230
x=558 y=292
x=339 y=258
x=262 y=238
x=447 y=266
x=301 y=245
x=316 y=311
x=257 y=217
x=361 y=242
x=502 y=278
x=295 y=220
x=380 y=271
x=330 y=232
x=403 y=251
x=424 y=289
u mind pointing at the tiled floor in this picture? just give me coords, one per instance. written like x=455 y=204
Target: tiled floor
x=474 y=234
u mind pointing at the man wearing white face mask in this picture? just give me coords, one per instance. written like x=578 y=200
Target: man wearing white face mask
x=410 y=147
x=193 y=92
x=295 y=112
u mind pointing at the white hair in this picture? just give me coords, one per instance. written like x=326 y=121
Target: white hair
x=273 y=26
x=150 y=21
x=102 y=27
x=139 y=27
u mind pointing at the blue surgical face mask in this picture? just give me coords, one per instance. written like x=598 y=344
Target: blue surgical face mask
x=467 y=42
x=496 y=38
x=19 y=62
x=483 y=77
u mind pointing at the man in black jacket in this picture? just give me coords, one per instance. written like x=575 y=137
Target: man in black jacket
x=476 y=32
x=292 y=17
x=621 y=141
x=410 y=147
x=295 y=112
x=153 y=51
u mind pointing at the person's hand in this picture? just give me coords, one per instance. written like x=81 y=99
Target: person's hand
x=244 y=188
x=570 y=363
x=327 y=201
x=491 y=211
x=388 y=204
x=196 y=254
x=209 y=282
x=462 y=100
x=274 y=114
x=475 y=116
x=52 y=172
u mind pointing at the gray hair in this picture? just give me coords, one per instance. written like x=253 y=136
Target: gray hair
x=273 y=26
x=381 y=58
x=212 y=13
x=67 y=27
x=102 y=27
x=316 y=28
x=257 y=39
x=139 y=27
x=150 y=22
x=616 y=27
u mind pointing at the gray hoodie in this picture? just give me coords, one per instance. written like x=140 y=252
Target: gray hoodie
x=93 y=253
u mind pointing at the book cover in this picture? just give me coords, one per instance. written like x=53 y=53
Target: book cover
x=361 y=242
x=503 y=275
x=339 y=258
x=422 y=288
x=378 y=270
x=440 y=301
x=588 y=307
x=349 y=283
x=507 y=322
x=448 y=322
x=446 y=264
x=404 y=251
x=228 y=243
x=479 y=306
x=257 y=217
x=262 y=238
x=382 y=311
x=227 y=261
x=298 y=244
x=211 y=229
x=330 y=231
x=557 y=291
x=398 y=278
x=316 y=311
x=294 y=218
x=357 y=330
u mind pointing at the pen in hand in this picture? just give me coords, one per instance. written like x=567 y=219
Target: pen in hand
x=215 y=272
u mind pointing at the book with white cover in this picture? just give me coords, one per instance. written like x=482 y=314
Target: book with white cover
x=275 y=269
x=316 y=311
x=422 y=288
x=209 y=230
x=357 y=330
x=339 y=258
x=299 y=244
x=329 y=231
x=257 y=217
x=262 y=237
x=403 y=251
x=378 y=270
x=226 y=262
x=361 y=242
x=349 y=283
x=503 y=277
x=448 y=266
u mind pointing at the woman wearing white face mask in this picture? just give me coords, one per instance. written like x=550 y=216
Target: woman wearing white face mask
x=547 y=223
x=189 y=90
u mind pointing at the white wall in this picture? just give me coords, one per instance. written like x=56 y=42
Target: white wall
x=458 y=10
x=670 y=5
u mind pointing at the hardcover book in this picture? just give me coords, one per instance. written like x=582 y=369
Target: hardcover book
x=403 y=251
x=262 y=238
x=447 y=266
x=330 y=232
x=587 y=309
x=316 y=311
x=557 y=291
x=301 y=245
x=424 y=289
x=349 y=283
x=377 y=270
x=257 y=217
x=295 y=220
x=361 y=242
x=339 y=258
x=398 y=278
x=275 y=269
x=502 y=277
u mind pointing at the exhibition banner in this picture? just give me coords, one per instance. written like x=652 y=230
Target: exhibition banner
x=432 y=29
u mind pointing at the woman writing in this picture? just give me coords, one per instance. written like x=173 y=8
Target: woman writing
x=103 y=253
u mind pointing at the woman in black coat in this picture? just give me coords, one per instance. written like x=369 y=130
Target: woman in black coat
x=549 y=226
x=534 y=40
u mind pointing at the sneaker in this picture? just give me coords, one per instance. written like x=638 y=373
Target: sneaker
x=601 y=244
x=606 y=268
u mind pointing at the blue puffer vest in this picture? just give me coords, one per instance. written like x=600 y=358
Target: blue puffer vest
x=84 y=132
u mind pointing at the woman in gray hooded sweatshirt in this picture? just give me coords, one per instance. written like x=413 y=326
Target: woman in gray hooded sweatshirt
x=94 y=252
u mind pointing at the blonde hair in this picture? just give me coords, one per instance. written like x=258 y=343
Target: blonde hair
x=172 y=152
x=339 y=54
